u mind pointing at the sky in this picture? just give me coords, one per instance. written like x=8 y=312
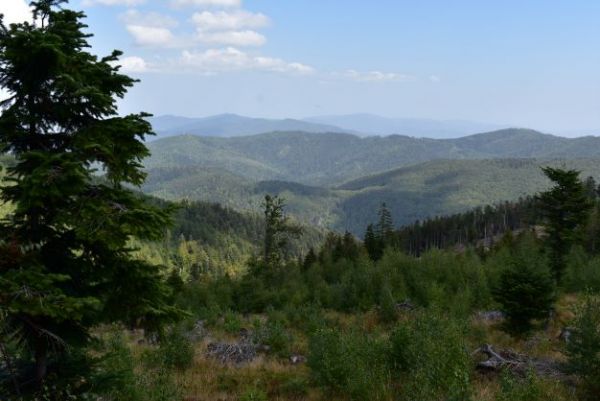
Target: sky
x=533 y=63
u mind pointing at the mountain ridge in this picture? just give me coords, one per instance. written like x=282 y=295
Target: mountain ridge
x=330 y=159
x=232 y=125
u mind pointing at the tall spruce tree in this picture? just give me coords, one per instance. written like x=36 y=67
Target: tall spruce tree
x=278 y=230
x=385 y=224
x=566 y=207
x=373 y=244
x=65 y=261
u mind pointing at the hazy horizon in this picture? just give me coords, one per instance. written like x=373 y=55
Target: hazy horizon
x=510 y=63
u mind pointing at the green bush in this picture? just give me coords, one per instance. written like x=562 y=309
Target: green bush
x=118 y=377
x=429 y=357
x=176 y=350
x=525 y=289
x=354 y=364
x=517 y=389
x=273 y=334
x=232 y=322
x=583 y=349
x=307 y=318
x=583 y=272
x=387 y=305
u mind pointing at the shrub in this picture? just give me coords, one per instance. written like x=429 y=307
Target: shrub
x=232 y=322
x=583 y=272
x=117 y=378
x=525 y=290
x=273 y=334
x=308 y=318
x=174 y=351
x=353 y=364
x=583 y=349
x=387 y=305
x=517 y=389
x=429 y=357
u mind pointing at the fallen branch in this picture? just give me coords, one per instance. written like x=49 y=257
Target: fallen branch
x=517 y=363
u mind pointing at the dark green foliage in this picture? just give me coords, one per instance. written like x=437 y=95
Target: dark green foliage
x=480 y=227
x=565 y=207
x=352 y=363
x=273 y=334
x=70 y=264
x=309 y=259
x=208 y=239
x=591 y=188
x=583 y=349
x=232 y=322
x=583 y=272
x=278 y=230
x=373 y=244
x=175 y=350
x=387 y=305
x=424 y=359
x=385 y=226
x=525 y=290
x=429 y=358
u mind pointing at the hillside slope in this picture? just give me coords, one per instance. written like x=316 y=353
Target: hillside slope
x=333 y=158
x=433 y=188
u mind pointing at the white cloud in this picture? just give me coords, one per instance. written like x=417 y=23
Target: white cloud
x=232 y=59
x=207 y=3
x=133 y=64
x=128 y=3
x=435 y=78
x=374 y=76
x=240 y=19
x=232 y=38
x=15 y=11
x=152 y=36
x=151 y=19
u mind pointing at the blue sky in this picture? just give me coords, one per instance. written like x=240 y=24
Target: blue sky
x=528 y=63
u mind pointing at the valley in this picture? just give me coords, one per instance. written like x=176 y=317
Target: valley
x=338 y=181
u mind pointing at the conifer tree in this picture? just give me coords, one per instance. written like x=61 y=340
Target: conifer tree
x=278 y=230
x=385 y=225
x=565 y=207
x=66 y=264
x=372 y=243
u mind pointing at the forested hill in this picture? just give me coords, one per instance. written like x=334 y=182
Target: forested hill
x=208 y=237
x=331 y=159
x=434 y=188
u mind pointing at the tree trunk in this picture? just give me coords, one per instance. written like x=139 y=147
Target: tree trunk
x=41 y=361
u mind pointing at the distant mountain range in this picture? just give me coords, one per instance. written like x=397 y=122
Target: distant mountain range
x=338 y=180
x=330 y=159
x=231 y=125
x=369 y=124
